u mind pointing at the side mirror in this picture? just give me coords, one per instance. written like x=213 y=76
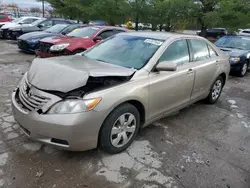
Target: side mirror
x=166 y=66
x=97 y=38
x=40 y=26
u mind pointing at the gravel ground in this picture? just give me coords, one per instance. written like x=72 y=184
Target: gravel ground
x=204 y=146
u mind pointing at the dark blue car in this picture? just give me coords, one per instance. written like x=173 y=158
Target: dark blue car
x=238 y=48
x=30 y=42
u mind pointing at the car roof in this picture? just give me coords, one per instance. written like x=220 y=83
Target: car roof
x=104 y=27
x=158 y=35
x=31 y=17
x=57 y=19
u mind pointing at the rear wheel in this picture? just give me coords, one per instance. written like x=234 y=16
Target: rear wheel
x=215 y=91
x=119 y=129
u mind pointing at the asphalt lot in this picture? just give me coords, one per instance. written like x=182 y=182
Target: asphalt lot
x=202 y=146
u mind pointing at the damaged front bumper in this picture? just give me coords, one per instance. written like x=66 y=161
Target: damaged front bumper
x=75 y=132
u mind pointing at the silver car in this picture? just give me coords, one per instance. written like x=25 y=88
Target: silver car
x=103 y=96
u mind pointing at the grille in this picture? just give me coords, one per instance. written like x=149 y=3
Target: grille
x=44 y=47
x=22 y=44
x=29 y=100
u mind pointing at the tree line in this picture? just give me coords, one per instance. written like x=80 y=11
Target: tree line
x=162 y=14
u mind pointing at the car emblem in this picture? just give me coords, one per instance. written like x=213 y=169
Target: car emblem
x=28 y=91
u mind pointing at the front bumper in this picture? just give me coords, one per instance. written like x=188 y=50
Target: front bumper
x=2 y=33
x=75 y=132
x=15 y=34
x=27 y=46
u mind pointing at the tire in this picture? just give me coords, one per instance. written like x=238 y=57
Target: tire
x=5 y=35
x=114 y=142
x=215 y=91
x=243 y=70
x=78 y=51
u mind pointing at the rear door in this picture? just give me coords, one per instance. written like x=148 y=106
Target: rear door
x=205 y=65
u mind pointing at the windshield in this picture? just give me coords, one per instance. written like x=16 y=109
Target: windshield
x=70 y=28
x=126 y=51
x=56 y=28
x=2 y=16
x=17 y=20
x=84 y=32
x=37 y=22
x=242 y=43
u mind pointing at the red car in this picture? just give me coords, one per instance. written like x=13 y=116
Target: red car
x=76 y=41
x=4 y=18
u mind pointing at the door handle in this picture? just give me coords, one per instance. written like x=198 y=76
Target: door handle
x=190 y=71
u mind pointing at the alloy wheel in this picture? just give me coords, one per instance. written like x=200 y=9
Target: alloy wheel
x=216 y=89
x=123 y=130
x=244 y=69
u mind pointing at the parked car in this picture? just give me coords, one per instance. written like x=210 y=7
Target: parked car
x=238 y=47
x=215 y=33
x=98 y=23
x=244 y=32
x=17 y=22
x=15 y=32
x=75 y=42
x=103 y=96
x=29 y=42
x=4 y=18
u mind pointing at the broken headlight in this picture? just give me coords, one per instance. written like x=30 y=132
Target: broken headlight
x=71 y=106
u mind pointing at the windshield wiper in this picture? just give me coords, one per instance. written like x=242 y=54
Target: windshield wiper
x=101 y=60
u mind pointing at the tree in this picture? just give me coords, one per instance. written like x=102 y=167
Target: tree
x=35 y=9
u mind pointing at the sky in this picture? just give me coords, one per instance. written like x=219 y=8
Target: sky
x=23 y=3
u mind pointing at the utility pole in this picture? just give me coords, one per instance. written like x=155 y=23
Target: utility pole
x=43 y=7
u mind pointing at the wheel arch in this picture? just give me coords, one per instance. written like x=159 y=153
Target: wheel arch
x=137 y=104
x=224 y=76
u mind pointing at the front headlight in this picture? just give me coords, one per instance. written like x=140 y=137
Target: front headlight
x=234 y=59
x=33 y=40
x=71 y=106
x=59 y=47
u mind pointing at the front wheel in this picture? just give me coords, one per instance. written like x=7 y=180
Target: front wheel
x=215 y=91
x=243 y=70
x=119 y=129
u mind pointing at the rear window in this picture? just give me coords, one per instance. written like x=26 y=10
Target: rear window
x=216 y=30
x=245 y=31
x=84 y=32
x=2 y=16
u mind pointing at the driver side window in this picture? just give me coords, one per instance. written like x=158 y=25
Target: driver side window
x=46 y=23
x=106 y=34
x=176 y=52
x=28 y=21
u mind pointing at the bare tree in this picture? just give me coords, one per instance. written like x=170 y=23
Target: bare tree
x=35 y=9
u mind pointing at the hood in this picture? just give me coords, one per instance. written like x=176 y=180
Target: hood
x=234 y=52
x=8 y=25
x=66 y=73
x=64 y=39
x=36 y=35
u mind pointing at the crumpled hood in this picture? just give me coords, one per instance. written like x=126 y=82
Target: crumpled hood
x=36 y=35
x=66 y=73
x=234 y=52
x=64 y=39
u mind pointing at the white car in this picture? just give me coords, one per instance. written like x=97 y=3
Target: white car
x=17 y=22
x=245 y=32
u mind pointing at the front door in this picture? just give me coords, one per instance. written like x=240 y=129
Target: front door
x=171 y=90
